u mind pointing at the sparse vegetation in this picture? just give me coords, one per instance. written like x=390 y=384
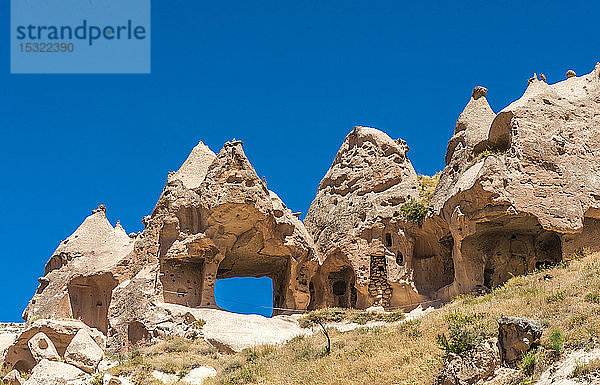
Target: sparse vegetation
x=556 y=341
x=465 y=333
x=528 y=363
x=485 y=153
x=414 y=211
x=427 y=185
x=585 y=369
x=360 y=317
x=404 y=353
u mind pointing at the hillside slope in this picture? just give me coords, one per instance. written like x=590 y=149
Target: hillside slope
x=564 y=298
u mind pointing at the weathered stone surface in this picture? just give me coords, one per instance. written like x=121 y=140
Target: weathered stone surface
x=521 y=189
x=469 y=368
x=83 y=352
x=526 y=194
x=357 y=227
x=516 y=336
x=41 y=348
x=80 y=275
x=60 y=332
x=199 y=375
x=13 y=378
x=54 y=373
x=231 y=332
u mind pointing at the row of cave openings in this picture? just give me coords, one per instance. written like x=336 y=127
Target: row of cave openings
x=498 y=252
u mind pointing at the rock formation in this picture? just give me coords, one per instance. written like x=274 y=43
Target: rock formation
x=520 y=189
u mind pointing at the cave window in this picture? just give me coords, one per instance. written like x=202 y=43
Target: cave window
x=246 y=295
x=399 y=259
x=388 y=239
x=339 y=288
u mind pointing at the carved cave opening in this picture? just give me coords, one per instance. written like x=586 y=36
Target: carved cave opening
x=515 y=247
x=432 y=263
x=182 y=281
x=90 y=299
x=256 y=265
x=333 y=285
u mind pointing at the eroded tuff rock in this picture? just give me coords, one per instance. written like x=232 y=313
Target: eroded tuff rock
x=215 y=219
x=520 y=190
x=82 y=272
x=528 y=193
x=367 y=248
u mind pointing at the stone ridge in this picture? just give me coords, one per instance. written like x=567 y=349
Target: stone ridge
x=520 y=190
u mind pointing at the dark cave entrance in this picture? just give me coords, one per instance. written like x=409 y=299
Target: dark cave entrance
x=90 y=299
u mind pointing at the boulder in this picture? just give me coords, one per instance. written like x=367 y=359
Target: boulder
x=59 y=331
x=13 y=378
x=516 y=336
x=83 y=352
x=231 y=332
x=469 y=368
x=41 y=347
x=54 y=373
x=198 y=375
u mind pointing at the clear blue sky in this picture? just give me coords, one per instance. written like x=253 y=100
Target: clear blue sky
x=290 y=79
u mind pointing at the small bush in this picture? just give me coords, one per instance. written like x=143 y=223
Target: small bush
x=556 y=340
x=557 y=297
x=528 y=363
x=593 y=298
x=461 y=339
x=414 y=211
x=199 y=323
x=582 y=369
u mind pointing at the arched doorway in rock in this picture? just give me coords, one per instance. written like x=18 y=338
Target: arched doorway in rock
x=245 y=295
x=89 y=297
x=333 y=285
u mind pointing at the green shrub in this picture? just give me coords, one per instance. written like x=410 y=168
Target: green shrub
x=528 y=363
x=461 y=339
x=557 y=297
x=414 y=211
x=199 y=323
x=556 y=340
x=593 y=298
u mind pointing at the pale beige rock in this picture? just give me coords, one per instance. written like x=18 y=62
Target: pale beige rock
x=53 y=373
x=60 y=332
x=531 y=193
x=562 y=372
x=41 y=348
x=80 y=275
x=199 y=375
x=83 y=352
x=231 y=332
x=470 y=368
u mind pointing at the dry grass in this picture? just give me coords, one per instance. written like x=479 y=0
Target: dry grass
x=408 y=353
x=563 y=298
x=173 y=356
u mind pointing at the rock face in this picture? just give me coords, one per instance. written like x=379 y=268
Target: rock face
x=60 y=333
x=370 y=253
x=82 y=272
x=516 y=336
x=42 y=348
x=520 y=189
x=54 y=373
x=215 y=219
x=83 y=352
x=477 y=365
x=527 y=193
